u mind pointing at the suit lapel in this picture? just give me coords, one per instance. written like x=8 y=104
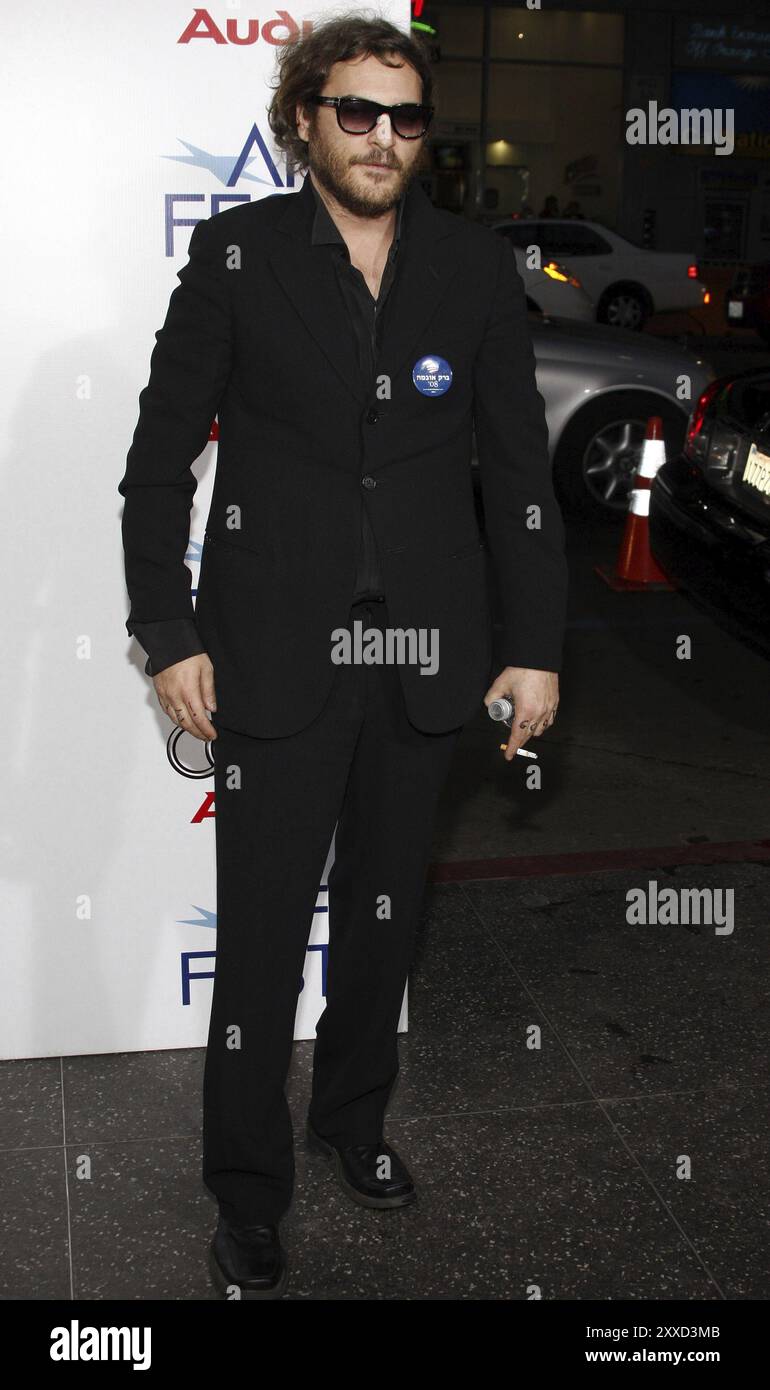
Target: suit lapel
x=422 y=282
x=426 y=266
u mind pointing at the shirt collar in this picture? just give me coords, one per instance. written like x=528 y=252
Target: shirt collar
x=326 y=230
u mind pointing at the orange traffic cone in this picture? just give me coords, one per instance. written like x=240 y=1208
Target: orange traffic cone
x=635 y=567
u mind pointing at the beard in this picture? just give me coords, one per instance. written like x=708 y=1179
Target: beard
x=334 y=171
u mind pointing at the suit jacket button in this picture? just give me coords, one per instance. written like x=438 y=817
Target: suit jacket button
x=368 y=482
x=372 y=417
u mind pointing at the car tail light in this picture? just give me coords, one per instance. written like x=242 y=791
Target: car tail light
x=697 y=440
x=692 y=271
x=711 y=443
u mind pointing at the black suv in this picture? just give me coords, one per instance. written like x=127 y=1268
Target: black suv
x=710 y=507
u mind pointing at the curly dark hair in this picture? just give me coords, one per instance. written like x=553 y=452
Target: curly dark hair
x=304 y=65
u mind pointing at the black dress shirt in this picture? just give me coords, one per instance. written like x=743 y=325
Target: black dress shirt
x=175 y=639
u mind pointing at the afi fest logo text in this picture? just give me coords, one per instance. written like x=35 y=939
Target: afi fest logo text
x=228 y=169
x=390 y=646
x=275 y=31
x=688 y=127
x=674 y=906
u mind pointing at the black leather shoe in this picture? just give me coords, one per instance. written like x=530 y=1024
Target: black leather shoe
x=250 y=1257
x=357 y=1169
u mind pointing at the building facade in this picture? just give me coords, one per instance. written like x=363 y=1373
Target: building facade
x=533 y=107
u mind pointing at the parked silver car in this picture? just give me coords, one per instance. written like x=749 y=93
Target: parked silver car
x=599 y=386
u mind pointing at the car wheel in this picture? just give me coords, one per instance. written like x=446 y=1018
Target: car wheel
x=624 y=306
x=600 y=451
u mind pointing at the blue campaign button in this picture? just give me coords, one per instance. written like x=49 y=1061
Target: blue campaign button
x=432 y=375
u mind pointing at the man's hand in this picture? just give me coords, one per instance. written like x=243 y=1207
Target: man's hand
x=535 y=697
x=185 y=691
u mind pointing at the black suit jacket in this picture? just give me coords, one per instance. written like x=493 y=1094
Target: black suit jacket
x=257 y=333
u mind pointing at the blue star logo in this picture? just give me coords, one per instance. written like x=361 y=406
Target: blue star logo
x=207 y=919
x=227 y=169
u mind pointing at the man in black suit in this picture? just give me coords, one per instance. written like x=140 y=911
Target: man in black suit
x=349 y=337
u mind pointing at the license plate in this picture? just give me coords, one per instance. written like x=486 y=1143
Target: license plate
x=735 y=309
x=756 y=472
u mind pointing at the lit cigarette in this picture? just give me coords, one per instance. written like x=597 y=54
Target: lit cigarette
x=520 y=752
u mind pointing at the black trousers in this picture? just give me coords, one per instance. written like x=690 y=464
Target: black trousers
x=360 y=765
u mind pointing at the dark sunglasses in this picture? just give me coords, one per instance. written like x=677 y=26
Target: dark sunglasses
x=357 y=116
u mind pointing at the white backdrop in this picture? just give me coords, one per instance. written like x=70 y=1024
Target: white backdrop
x=114 y=130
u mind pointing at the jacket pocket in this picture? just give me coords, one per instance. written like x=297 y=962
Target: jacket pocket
x=217 y=541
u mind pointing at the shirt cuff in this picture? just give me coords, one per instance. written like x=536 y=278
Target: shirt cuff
x=167 y=641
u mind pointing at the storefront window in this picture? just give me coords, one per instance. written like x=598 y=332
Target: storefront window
x=554 y=114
